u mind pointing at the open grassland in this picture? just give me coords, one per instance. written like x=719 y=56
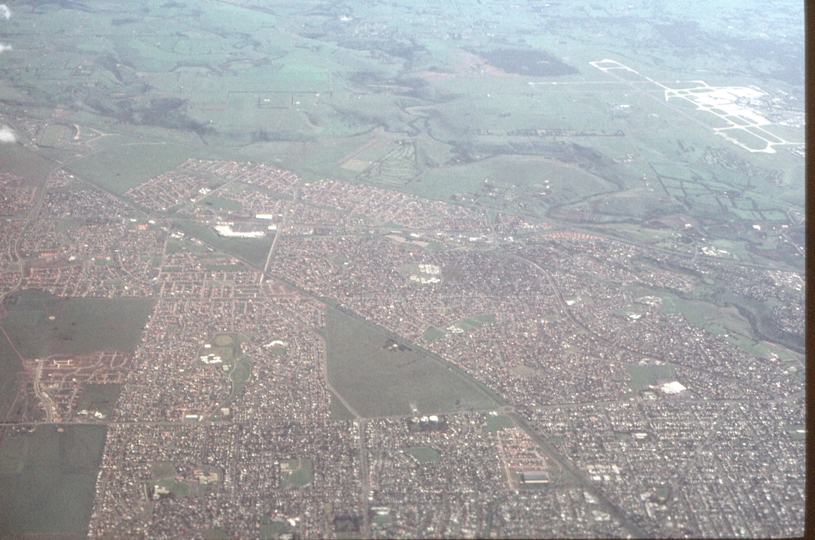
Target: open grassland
x=21 y=161
x=120 y=168
x=433 y=333
x=337 y=410
x=470 y=323
x=10 y=366
x=227 y=347
x=55 y=135
x=47 y=481
x=379 y=381
x=79 y=325
x=497 y=422
x=525 y=184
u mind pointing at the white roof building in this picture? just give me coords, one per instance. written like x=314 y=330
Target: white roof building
x=673 y=387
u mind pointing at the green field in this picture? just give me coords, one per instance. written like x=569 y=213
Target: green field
x=296 y=472
x=240 y=375
x=433 y=333
x=338 y=411
x=270 y=530
x=163 y=469
x=55 y=135
x=21 y=161
x=80 y=325
x=644 y=376
x=10 y=366
x=376 y=381
x=735 y=318
x=226 y=346
x=522 y=370
x=120 y=168
x=185 y=245
x=178 y=489
x=219 y=203
x=48 y=480
x=382 y=520
x=424 y=454
x=468 y=180
x=497 y=422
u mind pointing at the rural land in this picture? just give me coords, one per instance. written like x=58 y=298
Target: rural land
x=366 y=269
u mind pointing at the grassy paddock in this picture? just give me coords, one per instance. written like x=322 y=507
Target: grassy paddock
x=120 y=168
x=80 y=325
x=377 y=381
x=47 y=481
x=497 y=422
